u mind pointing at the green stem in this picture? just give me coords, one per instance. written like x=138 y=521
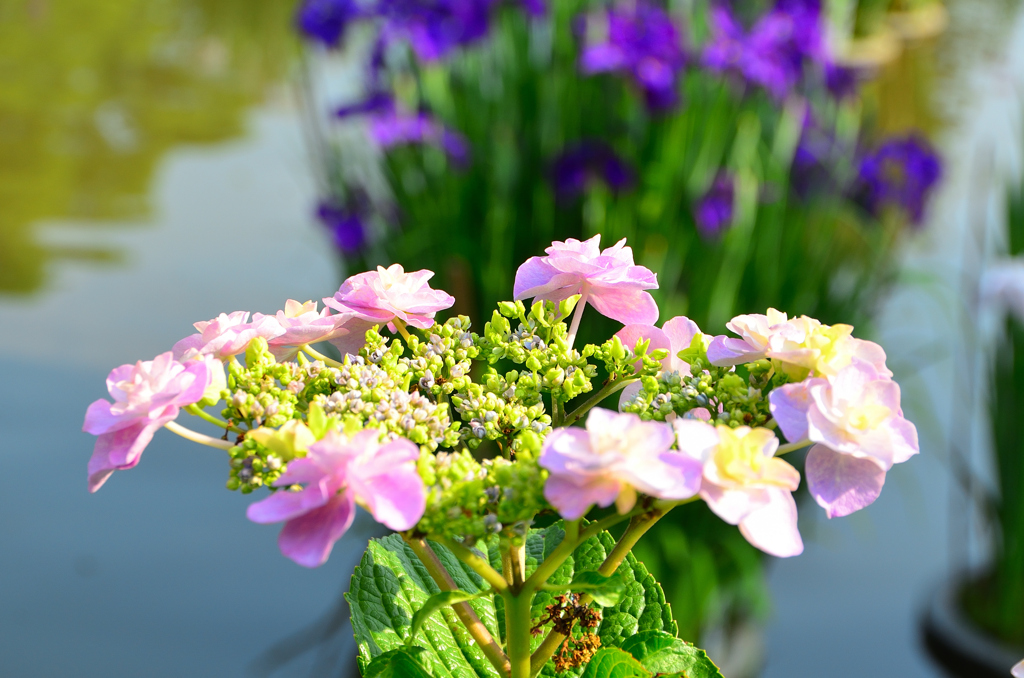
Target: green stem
x=596 y=399
x=575 y=325
x=316 y=355
x=435 y=568
x=557 y=412
x=518 y=622
x=400 y=326
x=203 y=414
x=792 y=447
x=195 y=437
x=479 y=565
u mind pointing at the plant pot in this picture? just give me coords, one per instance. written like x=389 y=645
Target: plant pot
x=921 y=23
x=955 y=644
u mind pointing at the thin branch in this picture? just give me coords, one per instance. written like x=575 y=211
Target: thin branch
x=465 y=612
x=196 y=437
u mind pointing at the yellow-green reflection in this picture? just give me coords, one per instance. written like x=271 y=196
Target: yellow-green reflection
x=92 y=92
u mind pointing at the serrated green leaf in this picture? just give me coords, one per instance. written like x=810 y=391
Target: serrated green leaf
x=435 y=603
x=663 y=653
x=614 y=663
x=403 y=663
x=390 y=585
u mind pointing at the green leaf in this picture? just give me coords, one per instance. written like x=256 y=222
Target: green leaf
x=403 y=663
x=390 y=586
x=435 y=603
x=317 y=421
x=614 y=663
x=606 y=591
x=664 y=653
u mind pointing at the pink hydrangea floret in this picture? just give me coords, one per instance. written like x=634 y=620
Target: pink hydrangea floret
x=146 y=396
x=301 y=324
x=382 y=296
x=613 y=458
x=227 y=335
x=856 y=419
x=608 y=280
x=744 y=483
x=339 y=473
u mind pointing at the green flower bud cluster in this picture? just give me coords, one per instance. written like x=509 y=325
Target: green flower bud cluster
x=500 y=409
x=539 y=344
x=620 y=360
x=515 y=494
x=731 y=397
x=259 y=393
x=456 y=503
x=252 y=466
x=441 y=365
x=378 y=395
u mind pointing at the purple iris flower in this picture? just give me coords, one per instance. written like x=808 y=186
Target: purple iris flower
x=900 y=174
x=346 y=227
x=326 y=20
x=817 y=153
x=638 y=38
x=435 y=28
x=842 y=82
x=713 y=212
x=773 y=54
x=578 y=165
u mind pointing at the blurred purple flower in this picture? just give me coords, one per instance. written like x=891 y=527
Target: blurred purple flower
x=713 y=212
x=435 y=28
x=533 y=7
x=773 y=54
x=638 y=38
x=900 y=174
x=390 y=127
x=582 y=163
x=814 y=161
x=842 y=82
x=326 y=20
x=346 y=227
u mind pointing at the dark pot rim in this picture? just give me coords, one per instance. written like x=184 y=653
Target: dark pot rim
x=955 y=643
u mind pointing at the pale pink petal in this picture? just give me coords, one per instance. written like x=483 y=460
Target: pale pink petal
x=1018 y=670
x=773 y=527
x=308 y=539
x=904 y=436
x=668 y=475
x=726 y=352
x=625 y=305
x=122 y=449
x=731 y=505
x=396 y=499
x=187 y=347
x=538 y=278
x=841 y=483
x=789 y=404
x=99 y=419
x=286 y=505
x=680 y=331
x=562 y=446
x=695 y=438
x=355 y=339
x=574 y=500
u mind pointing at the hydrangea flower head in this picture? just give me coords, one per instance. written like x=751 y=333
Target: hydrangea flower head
x=608 y=279
x=638 y=38
x=744 y=483
x=224 y=336
x=900 y=174
x=339 y=473
x=299 y=325
x=146 y=396
x=379 y=297
x=856 y=418
x=613 y=458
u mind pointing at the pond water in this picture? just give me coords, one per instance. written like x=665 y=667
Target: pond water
x=152 y=173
